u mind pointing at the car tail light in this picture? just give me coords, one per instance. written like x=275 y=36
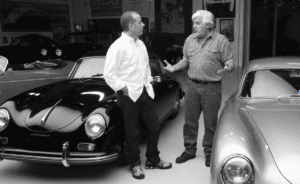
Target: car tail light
x=86 y=146
x=238 y=170
x=44 y=52
x=4 y=119
x=58 y=52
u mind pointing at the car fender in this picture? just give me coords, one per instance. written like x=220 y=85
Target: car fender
x=237 y=134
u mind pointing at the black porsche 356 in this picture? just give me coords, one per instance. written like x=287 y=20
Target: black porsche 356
x=76 y=121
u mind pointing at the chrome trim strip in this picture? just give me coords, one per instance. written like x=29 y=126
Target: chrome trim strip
x=72 y=154
x=75 y=158
x=65 y=154
x=43 y=120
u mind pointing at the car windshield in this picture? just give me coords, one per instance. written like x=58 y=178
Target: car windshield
x=90 y=67
x=272 y=83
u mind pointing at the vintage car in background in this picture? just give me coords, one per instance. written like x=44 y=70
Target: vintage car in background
x=257 y=140
x=13 y=82
x=165 y=45
x=77 y=44
x=76 y=121
x=30 y=48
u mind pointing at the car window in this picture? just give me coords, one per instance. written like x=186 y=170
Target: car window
x=271 y=83
x=89 y=67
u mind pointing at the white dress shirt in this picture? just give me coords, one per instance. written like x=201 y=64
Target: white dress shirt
x=127 y=64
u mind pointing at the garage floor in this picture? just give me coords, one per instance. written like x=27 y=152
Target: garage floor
x=170 y=146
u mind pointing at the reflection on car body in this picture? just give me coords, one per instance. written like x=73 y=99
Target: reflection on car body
x=258 y=131
x=76 y=121
x=13 y=82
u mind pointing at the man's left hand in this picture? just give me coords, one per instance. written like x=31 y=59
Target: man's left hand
x=226 y=69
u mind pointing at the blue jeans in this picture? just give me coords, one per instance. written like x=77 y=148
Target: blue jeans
x=143 y=108
x=206 y=98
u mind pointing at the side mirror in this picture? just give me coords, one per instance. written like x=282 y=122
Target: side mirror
x=3 y=64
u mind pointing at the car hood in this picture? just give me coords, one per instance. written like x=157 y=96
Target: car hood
x=57 y=106
x=279 y=124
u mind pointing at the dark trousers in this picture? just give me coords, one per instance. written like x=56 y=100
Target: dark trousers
x=144 y=108
x=206 y=98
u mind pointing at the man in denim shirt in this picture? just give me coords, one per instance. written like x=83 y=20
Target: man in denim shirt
x=208 y=55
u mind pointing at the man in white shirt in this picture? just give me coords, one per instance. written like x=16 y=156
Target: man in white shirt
x=127 y=71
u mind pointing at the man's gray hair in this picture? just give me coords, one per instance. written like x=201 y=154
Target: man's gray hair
x=207 y=18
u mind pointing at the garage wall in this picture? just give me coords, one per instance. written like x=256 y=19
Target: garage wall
x=79 y=13
x=13 y=10
x=113 y=10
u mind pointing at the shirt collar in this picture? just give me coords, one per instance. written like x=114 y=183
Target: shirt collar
x=211 y=34
x=130 y=39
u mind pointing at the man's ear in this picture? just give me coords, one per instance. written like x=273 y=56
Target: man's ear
x=130 y=27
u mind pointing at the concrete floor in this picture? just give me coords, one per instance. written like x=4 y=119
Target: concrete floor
x=170 y=145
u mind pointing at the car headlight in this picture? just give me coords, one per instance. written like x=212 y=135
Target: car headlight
x=95 y=126
x=4 y=119
x=58 y=52
x=44 y=52
x=238 y=170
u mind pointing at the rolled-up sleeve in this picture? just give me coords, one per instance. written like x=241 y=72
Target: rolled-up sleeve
x=112 y=63
x=226 y=51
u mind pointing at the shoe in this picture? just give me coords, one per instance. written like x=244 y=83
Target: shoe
x=184 y=157
x=159 y=165
x=207 y=160
x=137 y=172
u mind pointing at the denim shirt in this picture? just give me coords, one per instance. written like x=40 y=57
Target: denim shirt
x=207 y=58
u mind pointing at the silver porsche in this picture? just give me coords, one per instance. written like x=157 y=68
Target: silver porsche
x=258 y=136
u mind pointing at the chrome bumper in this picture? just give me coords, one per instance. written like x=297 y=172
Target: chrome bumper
x=65 y=157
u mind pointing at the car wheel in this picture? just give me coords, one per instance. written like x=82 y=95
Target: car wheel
x=176 y=107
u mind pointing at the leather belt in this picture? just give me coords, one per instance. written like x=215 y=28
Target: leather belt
x=205 y=82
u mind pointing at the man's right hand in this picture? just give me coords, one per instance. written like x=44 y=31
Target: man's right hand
x=169 y=67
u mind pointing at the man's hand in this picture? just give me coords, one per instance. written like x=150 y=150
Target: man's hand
x=226 y=69
x=156 y=79
x=169 y=67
